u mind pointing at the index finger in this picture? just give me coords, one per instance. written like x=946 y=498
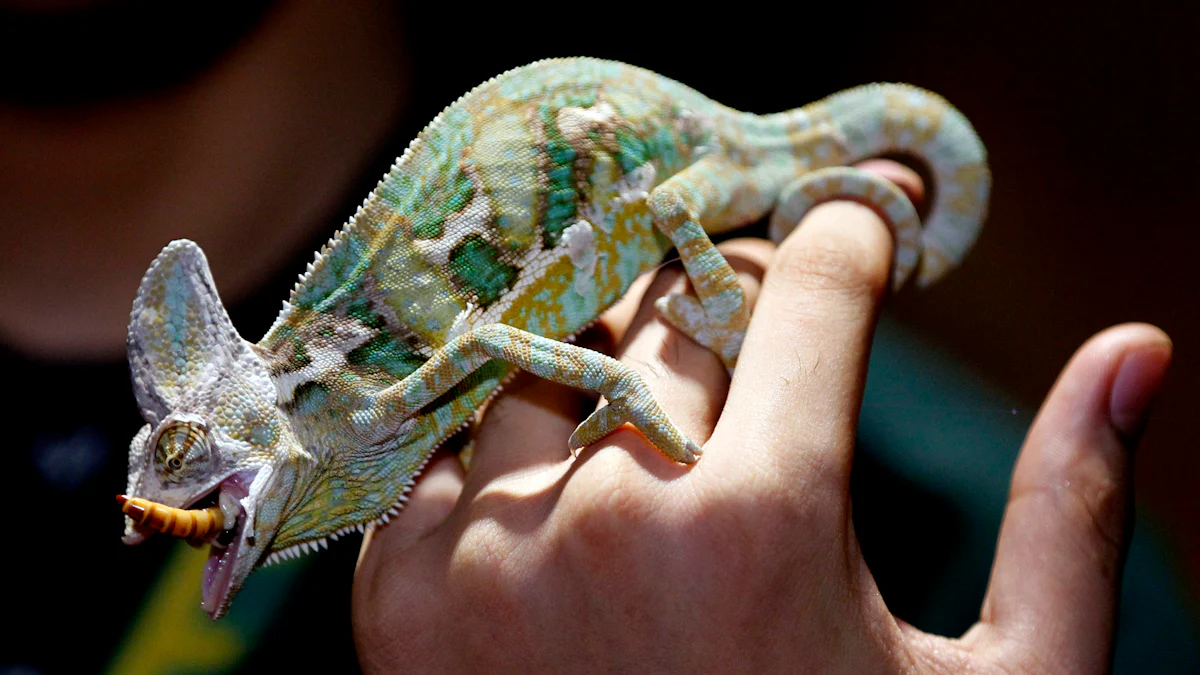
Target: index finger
x=796 y=391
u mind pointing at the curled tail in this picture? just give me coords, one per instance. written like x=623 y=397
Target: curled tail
x=878 y=119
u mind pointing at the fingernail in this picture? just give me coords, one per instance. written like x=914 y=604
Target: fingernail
x=1137 y=381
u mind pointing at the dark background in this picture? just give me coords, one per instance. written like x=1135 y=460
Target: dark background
x=1088 y=111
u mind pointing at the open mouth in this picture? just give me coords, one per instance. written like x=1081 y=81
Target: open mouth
x=217 y=518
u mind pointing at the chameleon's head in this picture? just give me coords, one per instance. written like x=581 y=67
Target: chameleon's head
x=214 y=434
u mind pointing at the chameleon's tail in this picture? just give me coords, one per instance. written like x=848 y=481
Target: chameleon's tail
x=896 y=118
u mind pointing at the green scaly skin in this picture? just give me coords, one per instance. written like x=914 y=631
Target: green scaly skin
x=517 y=216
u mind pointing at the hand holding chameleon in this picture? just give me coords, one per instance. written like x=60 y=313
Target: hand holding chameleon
x=748 y=561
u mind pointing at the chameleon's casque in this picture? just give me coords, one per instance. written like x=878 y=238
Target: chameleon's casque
x=513 y=220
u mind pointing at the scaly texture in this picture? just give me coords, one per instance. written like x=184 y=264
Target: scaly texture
x=512 y=221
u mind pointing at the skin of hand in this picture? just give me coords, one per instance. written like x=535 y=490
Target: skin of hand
x=621 y=561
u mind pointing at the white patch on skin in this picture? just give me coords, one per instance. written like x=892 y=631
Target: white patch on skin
x=580 y=242
x=574 y=123
x=695 y=124
x=474 y=219
x=255 y=495
x=597 y=214
x=462 y=323
x=633 y=187
x=231 y=508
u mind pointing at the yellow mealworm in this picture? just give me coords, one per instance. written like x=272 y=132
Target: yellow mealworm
x=185 y=523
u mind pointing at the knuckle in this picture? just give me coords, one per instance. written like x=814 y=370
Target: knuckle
x=599 y=533
x=1095 y=488
x=381 y=591
x=776 y=514
x=486 y=565
x=1094 y=500
x=1100 y=506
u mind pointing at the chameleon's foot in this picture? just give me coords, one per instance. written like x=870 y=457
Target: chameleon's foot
x=864 y=187
x=721 y=334
x=639 y=408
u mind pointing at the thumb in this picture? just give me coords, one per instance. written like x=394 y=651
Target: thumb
x=1051 y=602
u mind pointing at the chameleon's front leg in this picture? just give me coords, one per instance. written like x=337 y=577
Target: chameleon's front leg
x=629 y=398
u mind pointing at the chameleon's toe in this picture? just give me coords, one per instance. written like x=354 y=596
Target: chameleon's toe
x=722 y=335
x=598 y=425
x=643 y=413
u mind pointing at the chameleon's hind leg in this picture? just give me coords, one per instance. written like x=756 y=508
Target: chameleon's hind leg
x=717 y=316
x=864 y=187
x=629 y=398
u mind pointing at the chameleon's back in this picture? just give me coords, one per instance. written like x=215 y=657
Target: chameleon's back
x=522 y=203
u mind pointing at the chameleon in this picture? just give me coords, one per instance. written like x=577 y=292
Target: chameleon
x=511 y=222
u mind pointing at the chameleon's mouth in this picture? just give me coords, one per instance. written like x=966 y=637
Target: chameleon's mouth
x=217 y=517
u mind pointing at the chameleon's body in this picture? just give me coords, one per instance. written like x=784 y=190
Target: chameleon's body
x=525 y=209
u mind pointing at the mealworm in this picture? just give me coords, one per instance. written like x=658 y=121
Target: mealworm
x=184 y=523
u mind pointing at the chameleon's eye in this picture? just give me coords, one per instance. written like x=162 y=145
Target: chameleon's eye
x=182 y=451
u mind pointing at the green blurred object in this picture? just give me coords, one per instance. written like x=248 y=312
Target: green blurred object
x=172 y=635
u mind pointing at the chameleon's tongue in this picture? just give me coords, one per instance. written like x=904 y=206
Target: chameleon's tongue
x=222 y=554
x=218 y=572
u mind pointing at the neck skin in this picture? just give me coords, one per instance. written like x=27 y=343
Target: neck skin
x=248 y=160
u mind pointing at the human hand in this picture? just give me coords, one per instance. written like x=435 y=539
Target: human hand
x=622 y=561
